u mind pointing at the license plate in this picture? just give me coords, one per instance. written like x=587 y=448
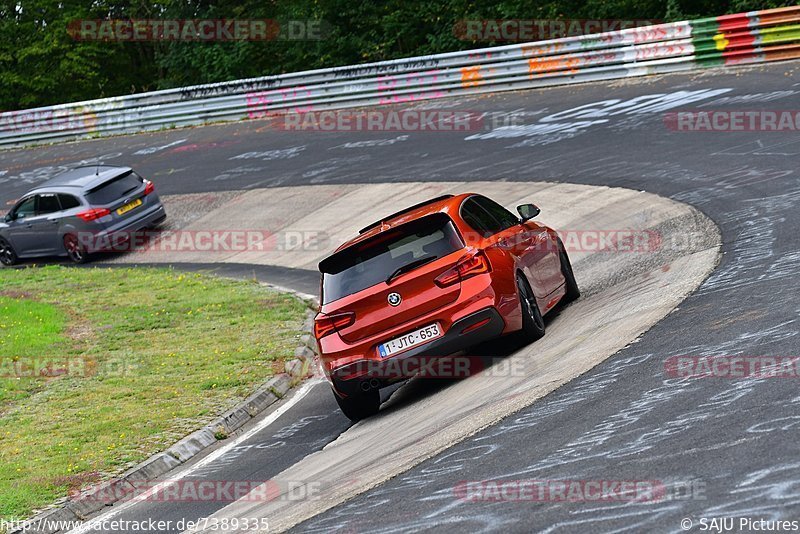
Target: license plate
x=129 y=206
x=412 y=339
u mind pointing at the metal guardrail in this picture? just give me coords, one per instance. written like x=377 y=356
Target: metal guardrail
x=753 y=37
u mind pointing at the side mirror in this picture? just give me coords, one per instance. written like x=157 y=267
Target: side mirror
x=528 y=212
x=9 y=217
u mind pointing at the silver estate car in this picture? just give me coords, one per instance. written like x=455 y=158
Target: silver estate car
x=79 y=212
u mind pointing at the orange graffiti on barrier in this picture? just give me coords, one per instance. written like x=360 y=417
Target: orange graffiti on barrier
x=471 y=76
x=539 y=66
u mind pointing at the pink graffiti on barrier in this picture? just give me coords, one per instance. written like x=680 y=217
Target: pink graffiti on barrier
x=258 y=102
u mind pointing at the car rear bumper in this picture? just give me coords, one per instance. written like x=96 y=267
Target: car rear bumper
x=106 y=240
x=466 y=332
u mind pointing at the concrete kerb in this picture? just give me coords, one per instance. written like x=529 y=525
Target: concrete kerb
x=80 y=507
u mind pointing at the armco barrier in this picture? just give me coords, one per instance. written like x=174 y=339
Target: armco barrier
x=754 y=37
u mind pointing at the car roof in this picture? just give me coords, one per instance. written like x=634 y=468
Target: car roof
x=84 y=177
x=448 y=204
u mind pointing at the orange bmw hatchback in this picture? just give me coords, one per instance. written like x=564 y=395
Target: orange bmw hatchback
x=431 y=281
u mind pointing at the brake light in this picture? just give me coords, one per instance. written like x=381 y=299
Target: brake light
x=149 y=187
x=468 y=267
x=327 y=324
x=93 y=214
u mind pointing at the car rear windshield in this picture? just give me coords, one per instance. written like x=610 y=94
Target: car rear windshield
x=115 y=189
x=371 y=262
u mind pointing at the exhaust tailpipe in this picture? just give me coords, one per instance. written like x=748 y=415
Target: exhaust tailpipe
x=372 y=384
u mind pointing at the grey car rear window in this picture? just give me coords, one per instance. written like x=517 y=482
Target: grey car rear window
x=115 y=189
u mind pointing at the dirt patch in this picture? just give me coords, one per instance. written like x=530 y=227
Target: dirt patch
x=79 y=331
x=14 y=294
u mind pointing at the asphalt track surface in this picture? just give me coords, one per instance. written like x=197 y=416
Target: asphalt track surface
x=734 y=441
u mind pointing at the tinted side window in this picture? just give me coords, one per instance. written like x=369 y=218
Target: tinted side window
x=479 y=219
x=26 y=208
x=68 y=202
x=505 y=217
x=47 y=204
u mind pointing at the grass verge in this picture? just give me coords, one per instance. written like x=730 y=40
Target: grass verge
x=101 y=368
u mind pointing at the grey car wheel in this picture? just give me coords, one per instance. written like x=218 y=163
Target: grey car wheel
x=7 y=254
x=75 y=251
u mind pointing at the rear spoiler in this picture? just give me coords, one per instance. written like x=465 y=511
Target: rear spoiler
x=403 y=212
x=332 y=262
x=101 y=181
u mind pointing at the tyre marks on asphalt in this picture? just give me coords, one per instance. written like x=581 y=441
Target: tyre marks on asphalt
x=621 y=442
x=736 y=438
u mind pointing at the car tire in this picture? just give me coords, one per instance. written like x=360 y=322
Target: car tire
x=532 y=320
x=8 y=256
x=570 y=284
x=75 y=251
x=359 y=406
